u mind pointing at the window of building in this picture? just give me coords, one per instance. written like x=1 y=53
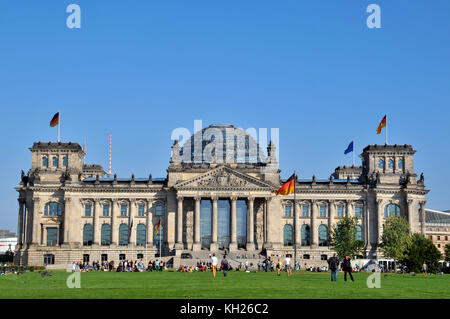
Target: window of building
x=106 y=209
x=86 y=258
x=106 y=235
x=123 y=210
x=392 y=210
x=123 y=235
x=88 y=235
x=439 y=245
x=140 y=256
x=65 y=161
x=141 y=210
x=49 y=259
x=438 y=237
x=159 y=210
x=400 y=164
x=287 y=211
x=53 y=209
x=305 y=211
x=141 y=235
x=358 y=233
x=380 y=163
x=446 y=237
x=104 y=257
x=323 y=235
x=52 y=236
x=323 y=257
x=121 y=256
x=45 y=161
x=323 y=211
x=287 y=235
x=305 y=235
x=305 y=256
x=431 y=237
x=87 y=210
x=358 y=211
x=340 y=211
x=391 y=164
x=55 y=162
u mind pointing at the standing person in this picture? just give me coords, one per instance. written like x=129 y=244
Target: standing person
x=424 y=269
x=278 y=266
x=224 y=265
x=287 y=263
x=214 y=264
x=347 y=268
x=333 y=264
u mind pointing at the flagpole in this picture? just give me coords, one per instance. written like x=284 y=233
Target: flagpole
x=59 y=127
x=386 y=130
x=295 y=228
x=354 y=153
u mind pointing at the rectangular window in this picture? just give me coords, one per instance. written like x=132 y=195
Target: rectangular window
x=123 y=210
x=287 y=211
x=86 y=258
x=121 y=256
x=87 y=210
x=340 y=211
x=305 y=211
x=52 y=236
x=106 y=210
x=159 y=210
x=323 y=211
x=49 y=259
x=104 y=257
x=438 y=237
x=141 y=210
x=358 y=211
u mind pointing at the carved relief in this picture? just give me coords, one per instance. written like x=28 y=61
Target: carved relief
x=223 y=179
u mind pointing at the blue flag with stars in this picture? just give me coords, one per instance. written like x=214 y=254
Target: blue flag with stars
x=349 y=148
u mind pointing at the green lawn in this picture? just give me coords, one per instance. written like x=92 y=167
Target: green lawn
x=261 y=285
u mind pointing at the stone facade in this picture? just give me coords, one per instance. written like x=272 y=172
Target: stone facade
x=66 y=208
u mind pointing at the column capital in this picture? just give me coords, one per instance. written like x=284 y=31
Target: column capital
x=214 y=198
x=179 y=198
x=268 y=198
x=233 y=198
x=197 y=198
x=410 y=201
x=251 y=199
x=36 y=199
x=379 y=201
x=149 y=201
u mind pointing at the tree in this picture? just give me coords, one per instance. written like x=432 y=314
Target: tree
x=447 y=252
x=420 y=250
x=395 y=239
x=343 y=238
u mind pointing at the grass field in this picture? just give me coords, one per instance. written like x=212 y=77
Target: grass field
x=239 y=285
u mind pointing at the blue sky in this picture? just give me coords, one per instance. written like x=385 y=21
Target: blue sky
x=310 y=68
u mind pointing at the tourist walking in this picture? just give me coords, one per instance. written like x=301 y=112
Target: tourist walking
x=347 y=268
x=224 y=265
x=333 y=264
x=424 y=269
x=214 y=264
x=287 y=265
x=278 y=266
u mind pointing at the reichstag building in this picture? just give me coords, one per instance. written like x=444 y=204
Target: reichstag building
x=212 y=198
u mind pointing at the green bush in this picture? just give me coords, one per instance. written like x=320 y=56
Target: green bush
x=420 y=250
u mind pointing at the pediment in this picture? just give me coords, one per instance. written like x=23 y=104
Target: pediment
x=224 y=178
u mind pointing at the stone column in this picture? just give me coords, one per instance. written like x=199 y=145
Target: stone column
x=35 y=222
x=348 y=208
x=250 y=224
x=132 y=220
x=179 y=242
x=97 y=230
x=149 y=223
x=115 y=211
x=332 y=214
x=268 y=225
x=214 y=244
x=380 y=220
x=298 y=230
x=233 y=242
x=66 y=222
x=20 y=223
x=197 y=246
x=26 y=227
x=422 y=218
x=313 y=231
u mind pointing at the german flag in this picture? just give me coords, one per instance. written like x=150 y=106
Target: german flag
x=288 y=187
x=157 y=227
x=55 y=120
x=382 y=124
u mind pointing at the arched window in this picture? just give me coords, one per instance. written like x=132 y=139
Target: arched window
x=305 y=236
x=323 y=235
x=65 y=161
x=400 y=164
x=53 y=209
x=45 y=161
x=358 y=233
x=158 y=236
x=88 y=235
x=392 y=210
x=106 y=235
x=287 y=235
x=123 y=235
x=141 y=235
x=55 y=161
x=391 y=164
x=380 y=163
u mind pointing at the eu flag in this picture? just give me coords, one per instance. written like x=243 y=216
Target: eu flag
x=349 y=148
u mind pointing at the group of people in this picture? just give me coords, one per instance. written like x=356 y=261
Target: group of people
x=123 y=266
x=346 y=266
